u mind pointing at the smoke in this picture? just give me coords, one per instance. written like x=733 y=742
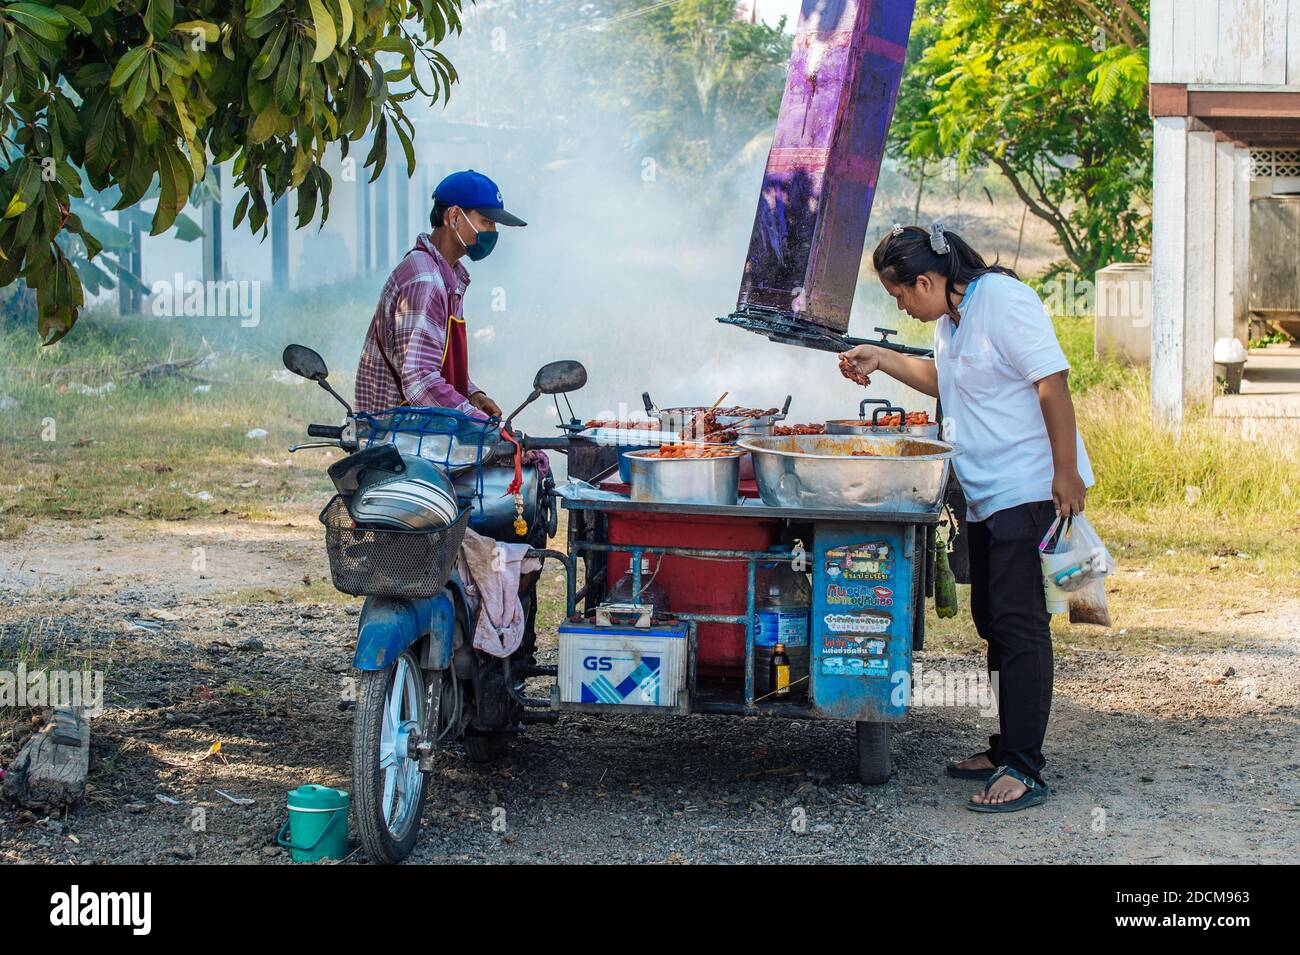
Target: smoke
x=625 y=264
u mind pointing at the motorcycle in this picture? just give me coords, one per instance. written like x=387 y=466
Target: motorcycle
x=422 y=683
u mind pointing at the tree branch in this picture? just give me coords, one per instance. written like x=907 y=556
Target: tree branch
x=1050 y=216
x=1135 y=18
x=1102 y=22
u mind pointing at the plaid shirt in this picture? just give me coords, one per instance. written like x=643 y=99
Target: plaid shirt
x=410 y=324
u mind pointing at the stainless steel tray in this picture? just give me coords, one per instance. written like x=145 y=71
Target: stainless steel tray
x=629 y=437
x=904 y=475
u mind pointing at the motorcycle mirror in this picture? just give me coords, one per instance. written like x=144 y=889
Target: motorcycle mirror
x=305 y=363
x=560 y=377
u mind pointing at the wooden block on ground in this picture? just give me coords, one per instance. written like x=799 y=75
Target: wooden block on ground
x=47 y=775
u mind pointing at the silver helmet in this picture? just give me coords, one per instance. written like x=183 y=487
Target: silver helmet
x=418 y=498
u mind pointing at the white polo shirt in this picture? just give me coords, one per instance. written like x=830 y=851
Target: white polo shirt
x=988 y=365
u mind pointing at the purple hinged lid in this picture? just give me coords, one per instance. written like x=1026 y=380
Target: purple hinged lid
x=806 y=247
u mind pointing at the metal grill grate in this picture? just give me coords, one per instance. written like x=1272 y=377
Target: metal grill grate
x=1274 y=163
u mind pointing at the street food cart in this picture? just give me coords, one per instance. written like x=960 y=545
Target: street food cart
x=853 y=512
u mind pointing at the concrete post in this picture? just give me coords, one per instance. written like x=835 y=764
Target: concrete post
x=1241 y=245
x=1225 y=237
x=1168 y=267
x=1199 y=232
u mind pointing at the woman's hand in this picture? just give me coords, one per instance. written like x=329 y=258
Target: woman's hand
x=858 y=364
x=1068 y=492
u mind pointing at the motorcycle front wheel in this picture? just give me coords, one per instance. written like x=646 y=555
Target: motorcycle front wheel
x=387 y=785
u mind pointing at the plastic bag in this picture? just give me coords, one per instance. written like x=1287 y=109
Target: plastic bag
x=1088 y=604
x=1075 y=557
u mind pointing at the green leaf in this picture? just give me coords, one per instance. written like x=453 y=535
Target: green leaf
x=345 y=11
x=101 y=132
x=127 y=66
x=158 y=18
x=268 y=59
x=135 y=92
x=173 y=189
x=407 y=147
x=306 y=201
x=75 y=17
x=39 y=21
x=326 y=37
x=265 y=125
x=378 y=149
x=211 y=32
x=241 y=210
x=261 y=8
x=286 y=79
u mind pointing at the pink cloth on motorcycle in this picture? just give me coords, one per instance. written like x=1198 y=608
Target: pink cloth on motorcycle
x=490 y=571
x=539 y=460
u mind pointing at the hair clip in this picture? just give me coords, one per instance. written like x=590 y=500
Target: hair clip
x=897 y=230
x=938 y=241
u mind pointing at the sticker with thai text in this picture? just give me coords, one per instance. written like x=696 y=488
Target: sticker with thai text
x=853 y=594
x=857 y=622
x=870 y=561
x=853 y=646
x=855 y=666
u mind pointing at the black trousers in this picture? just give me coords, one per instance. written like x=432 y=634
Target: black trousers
x=1011 y=615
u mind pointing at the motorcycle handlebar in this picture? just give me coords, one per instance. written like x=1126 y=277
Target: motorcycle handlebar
x=545 y=444
x=332 y=431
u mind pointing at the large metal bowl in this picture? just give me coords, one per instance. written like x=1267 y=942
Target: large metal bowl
x=904 y=475
x=683 y=480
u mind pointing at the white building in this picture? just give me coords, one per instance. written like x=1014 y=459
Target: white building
x=1225 y=99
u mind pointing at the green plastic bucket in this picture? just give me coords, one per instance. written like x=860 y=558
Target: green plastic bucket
x=317 y=827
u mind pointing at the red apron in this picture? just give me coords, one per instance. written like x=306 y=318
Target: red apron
x=455 y=356
x=455 y=352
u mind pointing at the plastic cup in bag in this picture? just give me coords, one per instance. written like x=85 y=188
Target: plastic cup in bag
x=1075 y=563
x=1058 y=600
x=1060 y=561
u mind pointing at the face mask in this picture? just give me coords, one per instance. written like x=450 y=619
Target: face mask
x=482 y=245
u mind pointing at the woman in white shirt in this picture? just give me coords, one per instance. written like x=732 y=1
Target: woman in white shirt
x=1002 y=381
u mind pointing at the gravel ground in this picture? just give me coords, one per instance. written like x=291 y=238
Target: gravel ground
x=1189 y=756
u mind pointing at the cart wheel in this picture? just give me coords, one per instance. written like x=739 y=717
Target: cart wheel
x=873 y=753
x=388 y=787
x=485 y=747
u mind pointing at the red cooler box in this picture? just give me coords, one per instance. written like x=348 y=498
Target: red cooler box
x=694 y=585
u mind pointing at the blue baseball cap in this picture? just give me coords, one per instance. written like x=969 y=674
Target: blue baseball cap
x=473 y=190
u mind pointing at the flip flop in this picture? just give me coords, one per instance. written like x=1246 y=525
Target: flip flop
x=956 y=773
x=1035 y=793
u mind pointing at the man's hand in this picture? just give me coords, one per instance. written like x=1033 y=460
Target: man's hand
x=1068 y=493
x=483 y=403
x=857 y=364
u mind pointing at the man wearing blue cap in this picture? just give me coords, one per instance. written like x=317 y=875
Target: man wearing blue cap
x=416 y=351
